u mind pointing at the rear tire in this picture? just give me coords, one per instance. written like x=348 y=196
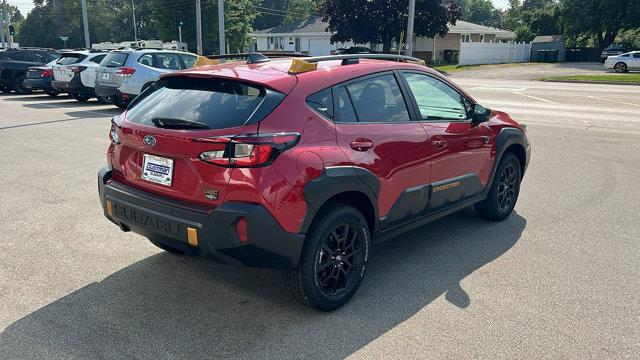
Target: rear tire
x=504 y=192
x=117 y=102
x=104 y=100
x=333 y=260
x=17 y=85
x=6 y=89
x=52 y=93
x=621 y=68
x=80 y=97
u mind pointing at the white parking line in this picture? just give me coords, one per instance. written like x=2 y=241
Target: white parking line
x=614 y=101
x=76 y=109
x=535 y=97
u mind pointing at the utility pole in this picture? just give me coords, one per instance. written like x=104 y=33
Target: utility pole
x=222 y=42
x=412 y=15
x=199 y=27
x=135 y=30
x=5 y=20
x=85 y=21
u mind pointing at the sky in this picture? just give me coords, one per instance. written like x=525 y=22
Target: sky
x=25 y=5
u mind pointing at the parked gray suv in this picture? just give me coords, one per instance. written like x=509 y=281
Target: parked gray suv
x=124 y=74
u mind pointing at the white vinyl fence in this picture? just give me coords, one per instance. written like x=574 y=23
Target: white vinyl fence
x=475 y=53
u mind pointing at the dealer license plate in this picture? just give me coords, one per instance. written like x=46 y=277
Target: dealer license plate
x=157 y=169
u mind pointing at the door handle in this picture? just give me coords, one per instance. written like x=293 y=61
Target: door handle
x=439 y=144
x=361 y=144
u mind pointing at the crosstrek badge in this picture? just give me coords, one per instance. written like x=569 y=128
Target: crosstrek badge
x=211 y=194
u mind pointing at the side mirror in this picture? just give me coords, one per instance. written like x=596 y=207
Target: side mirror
x=480 y=114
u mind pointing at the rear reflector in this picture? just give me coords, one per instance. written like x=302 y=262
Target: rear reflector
x=192 y=236
x=241 y=230
x=125 y=71
x=109 y=208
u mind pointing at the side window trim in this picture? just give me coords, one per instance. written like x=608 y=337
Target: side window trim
x=415 y=102
x=401 y=86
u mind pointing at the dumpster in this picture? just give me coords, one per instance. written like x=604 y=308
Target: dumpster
x=552 y=56
x=543 y=55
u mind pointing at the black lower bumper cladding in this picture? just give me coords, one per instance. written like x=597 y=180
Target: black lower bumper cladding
x=175 y=224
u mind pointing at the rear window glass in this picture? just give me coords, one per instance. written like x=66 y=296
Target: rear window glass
x=68 y=59
x=114 y=59
x=194 y=104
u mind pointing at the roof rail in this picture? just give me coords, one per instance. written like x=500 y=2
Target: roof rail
x=255 y=56
x=348 y=57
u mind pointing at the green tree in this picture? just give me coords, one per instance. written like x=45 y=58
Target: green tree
x=302 y=9
x=482 y=12
x=382 y=21
x=602 y=19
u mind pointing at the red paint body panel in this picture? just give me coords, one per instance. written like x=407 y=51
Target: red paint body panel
x=402 y=156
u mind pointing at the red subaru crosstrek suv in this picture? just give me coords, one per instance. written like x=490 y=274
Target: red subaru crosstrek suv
x=302 y=163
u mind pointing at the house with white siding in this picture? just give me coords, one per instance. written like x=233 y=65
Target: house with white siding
x=312 y=38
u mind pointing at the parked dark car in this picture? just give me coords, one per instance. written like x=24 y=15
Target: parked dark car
x=615 y=49
x=14 y=64
x=39 y=78
x=354 y=50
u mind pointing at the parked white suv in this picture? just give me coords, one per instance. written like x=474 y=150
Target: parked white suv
x=124 y=74
x=624 y=62
x=75 y=73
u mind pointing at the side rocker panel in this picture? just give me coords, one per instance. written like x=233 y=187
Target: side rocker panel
x=336 y=180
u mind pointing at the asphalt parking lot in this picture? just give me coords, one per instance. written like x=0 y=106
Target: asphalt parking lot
x=558 y=279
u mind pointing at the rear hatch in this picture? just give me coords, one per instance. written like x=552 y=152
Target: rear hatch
x=170 y=125
x=110 y=68
x=63 y=68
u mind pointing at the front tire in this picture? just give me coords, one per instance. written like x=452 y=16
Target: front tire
x=333 y=260
x=104 y=100
x=52 y=93
x=504 y=191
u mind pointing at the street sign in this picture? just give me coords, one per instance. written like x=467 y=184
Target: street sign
x=64 y=38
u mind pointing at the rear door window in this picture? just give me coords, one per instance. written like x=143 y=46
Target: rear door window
x=167 y=61
x=19 y=56
x=40 y=57
x=378 y=99
x=68 y=59
x=114 y=59
x=195 y=104
x=146 y=59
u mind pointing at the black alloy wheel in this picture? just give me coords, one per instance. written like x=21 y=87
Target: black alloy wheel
x=340 y=260
x=334 y=258
x=507 y=187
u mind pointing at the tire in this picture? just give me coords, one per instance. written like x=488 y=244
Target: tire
x=80 y=97
x=52 y=93
x=6 y=89
x=504 y=192
x=332 y=265
x=117 y=102
x=104 y=100
x=17 y=85
x=620 y=67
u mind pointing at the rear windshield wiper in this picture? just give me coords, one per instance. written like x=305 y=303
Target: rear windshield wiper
x=178 y=124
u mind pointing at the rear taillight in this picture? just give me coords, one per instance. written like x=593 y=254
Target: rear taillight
x=241 y=229
x=113 y=133
x=125 y=71
x=78 y=69
x=46 y=73
x=249 y=150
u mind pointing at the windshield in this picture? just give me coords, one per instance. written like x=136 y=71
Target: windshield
x=192 y=103
x=114 y=59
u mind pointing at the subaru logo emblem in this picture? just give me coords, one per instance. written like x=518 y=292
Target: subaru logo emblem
x=149 y=140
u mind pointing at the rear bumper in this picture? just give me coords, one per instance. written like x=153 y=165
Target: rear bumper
x=168 y=221
x=62 y=86
x=106 y=91
x=76 y=86
x=38 y=84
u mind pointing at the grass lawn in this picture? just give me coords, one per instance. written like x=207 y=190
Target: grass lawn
x=629 y=78
x=451 y=68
